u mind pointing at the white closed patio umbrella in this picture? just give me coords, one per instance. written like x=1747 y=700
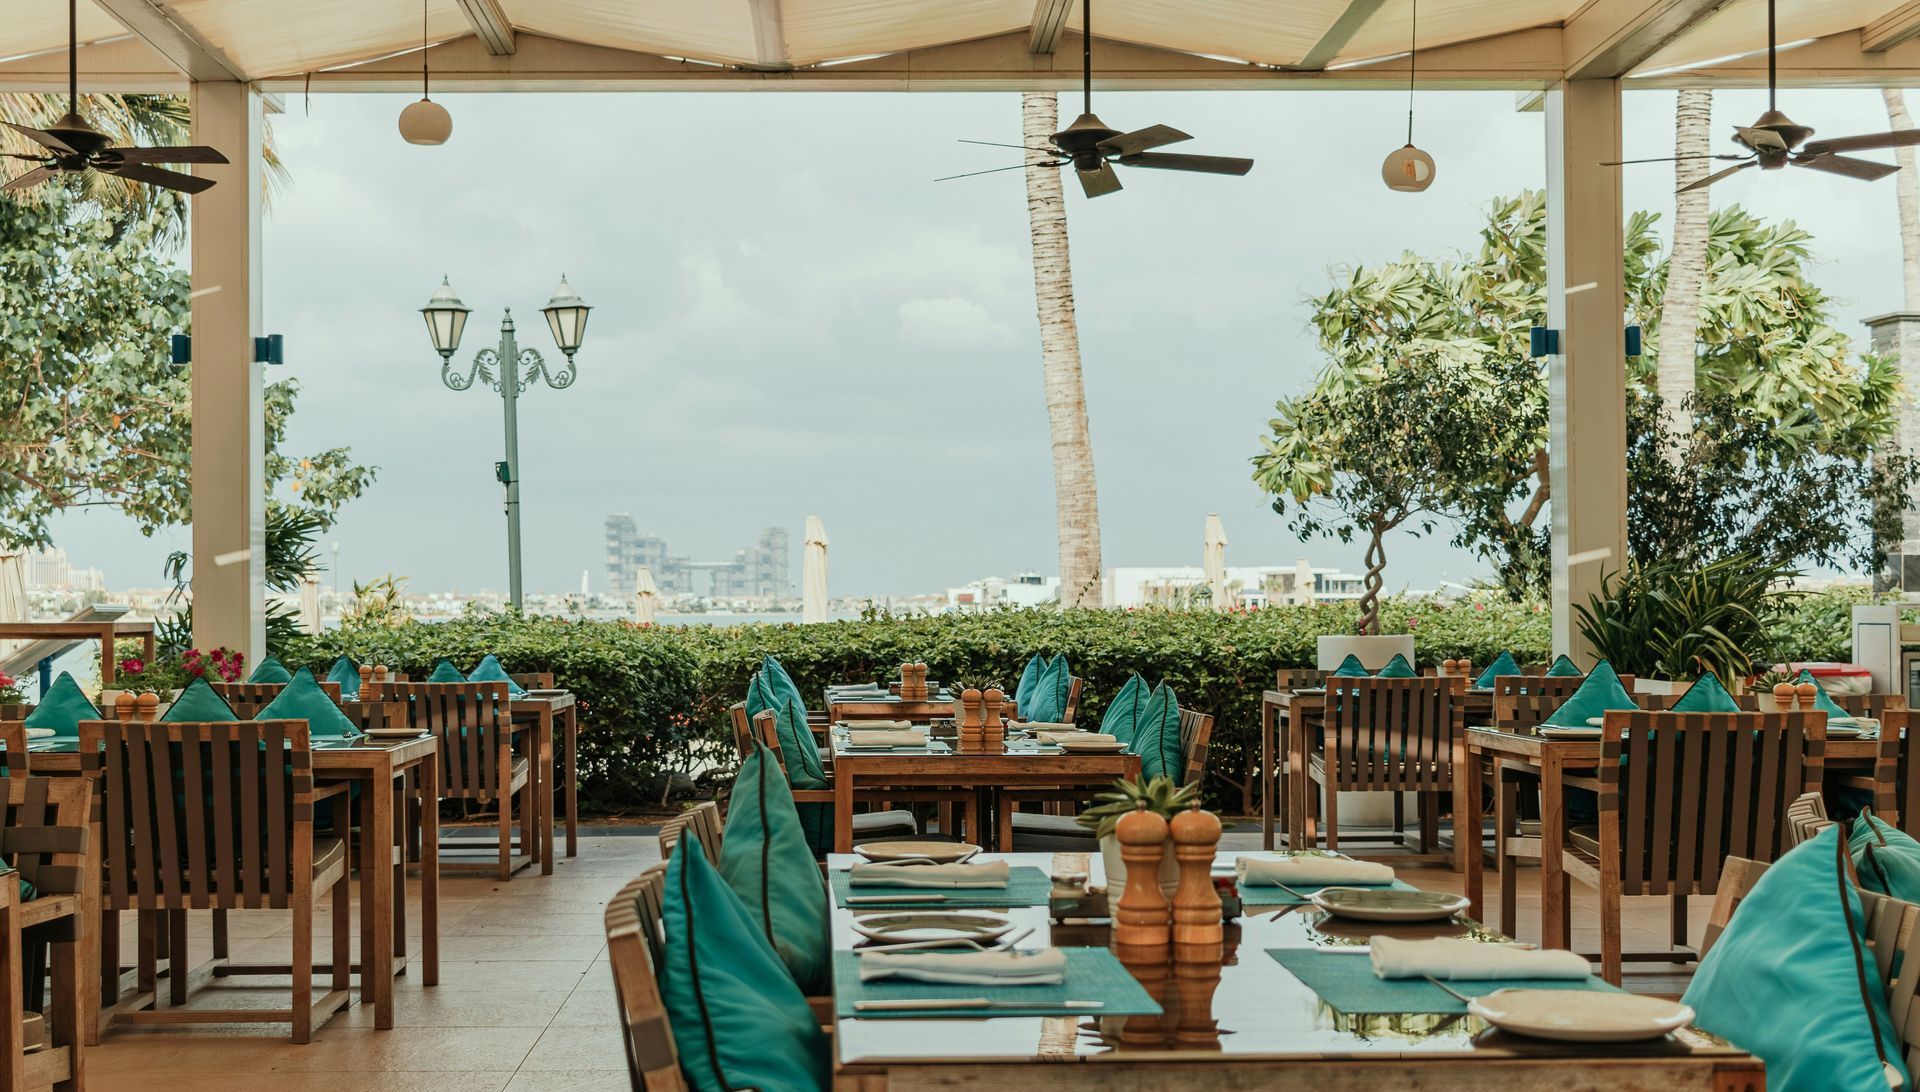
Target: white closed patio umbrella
x=645 y=595
x=813 y=573
x=13 y=594
x=310 y=605
x=1213 y=560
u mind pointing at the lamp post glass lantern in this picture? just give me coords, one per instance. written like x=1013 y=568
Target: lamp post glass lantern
x=509 y=371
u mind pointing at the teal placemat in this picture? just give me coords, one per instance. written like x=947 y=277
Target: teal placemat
x=1266 y=894
x=1346 y=981
x=1026 y=886
x=1093 y=974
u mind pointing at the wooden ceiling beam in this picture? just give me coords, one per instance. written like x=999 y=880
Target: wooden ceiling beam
x=491 y=24
x=173 y=39
x=1896 y=26
x=1049 y=19
x=1339 y=34
x=1611 y=38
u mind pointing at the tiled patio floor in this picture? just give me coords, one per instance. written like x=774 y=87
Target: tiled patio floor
x=525 y=1001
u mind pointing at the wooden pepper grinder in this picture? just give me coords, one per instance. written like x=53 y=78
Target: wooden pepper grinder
x=1142 y=924
x=124 y=704
x=1807 y=693
x=993 y=728
x=1783 y=695
x=1466 y=669
x=366 y=676
x=1450 y=667
x=972 y=720
x=147 y=707
x=1197 y=931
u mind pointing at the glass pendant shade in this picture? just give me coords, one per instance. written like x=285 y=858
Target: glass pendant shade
x=426 y=122
x=1408 y=170
x=567 y=317
x=446 y=319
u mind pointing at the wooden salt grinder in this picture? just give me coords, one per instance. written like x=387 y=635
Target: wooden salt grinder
x=1197 y=931
x=123 y=705
x=1141 y=924
x=993 y=700
x=1450 y=667
x=366 y=676
x=1808 y=693
x=147 y=706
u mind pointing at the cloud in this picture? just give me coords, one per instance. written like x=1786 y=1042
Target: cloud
x=951 y=322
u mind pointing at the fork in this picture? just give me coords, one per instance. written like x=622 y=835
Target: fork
x=1455 y=994
x=1001 y=945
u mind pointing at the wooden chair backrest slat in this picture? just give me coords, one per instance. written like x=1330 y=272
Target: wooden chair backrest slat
x=47 y=834
x=248 y=698
x=471 y=723
x=1298 y=678
x=1890 y=928
x=634 y=940
x=1697 y=788
x=201 y=815
x=1896 y=777
x=13 y=736
x=533 y=680
x=742 y=730
x=369 y=715
x=1072 y=710
x=1737 y=877
x=703 y=821
x=1521 y=702
x=1196 y=740
x=1806 y=817
x=1392 y=735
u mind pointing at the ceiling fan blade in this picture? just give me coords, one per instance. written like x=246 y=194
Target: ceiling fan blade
x=42 y=137
x=1899 y=138
x=1864 y=169
x=1174 y=161
x=1021 y=147
x=1715 y=177
x=997 y=170
x=29 y=180
x=1153 y=136
x=1760 y=138
x=157 y=176
x=1101 y=182
x=190 y=154
x=1671 y=159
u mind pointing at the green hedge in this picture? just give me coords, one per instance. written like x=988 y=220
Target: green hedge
x=654 y=699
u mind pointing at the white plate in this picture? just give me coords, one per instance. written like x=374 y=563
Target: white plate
x=550 y=693
x=1091 y=746
x=1388 y=903
x=915 y=850
x=910 y=925
x=1581 y=1016
x=394 y=733
x=1555 y=731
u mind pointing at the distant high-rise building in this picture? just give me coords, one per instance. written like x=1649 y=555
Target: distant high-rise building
x=623 y=555
x=761 y=571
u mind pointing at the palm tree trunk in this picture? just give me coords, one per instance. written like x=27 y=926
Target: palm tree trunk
x=1076 y=502
x=1907 y=190
x=1687 y=265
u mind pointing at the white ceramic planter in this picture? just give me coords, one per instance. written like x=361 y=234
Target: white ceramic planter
x=1666 y=687
x=1115 y=867
x=1374 y=652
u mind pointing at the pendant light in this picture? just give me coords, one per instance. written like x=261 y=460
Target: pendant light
x=1409 y=169
x=426 y=121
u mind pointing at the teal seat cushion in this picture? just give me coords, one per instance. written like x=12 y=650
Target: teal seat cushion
x=1821 y=701
x=62 y=708
x=1562 y=667
x=1781 y=981
x=270 y=670
x=489 y=670
x=738 y=1020
x=1029 y=678
x=1706 y=695
x=1600 y=693
x=1124 y=712
x=765 y=858
x=1351 y=668
x=1398 y=668
x=347 y=674
x=1503 y=664
x=1158 y=740
x=197 y=704
x=1048 y=702
x=782 y=681
x=302 y=699
x=1886 y=857
x=444 y=671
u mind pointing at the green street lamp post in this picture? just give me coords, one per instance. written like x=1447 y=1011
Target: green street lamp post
x=509 y=371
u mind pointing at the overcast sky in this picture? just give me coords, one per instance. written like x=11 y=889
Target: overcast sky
x=791 y=318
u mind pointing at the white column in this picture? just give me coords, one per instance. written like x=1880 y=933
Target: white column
x=1587 y=379
x=229 y=423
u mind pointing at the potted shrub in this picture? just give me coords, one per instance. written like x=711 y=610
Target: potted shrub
x=1161 y=796
x=161 y=677
x=13 y=703
x=1669 y=623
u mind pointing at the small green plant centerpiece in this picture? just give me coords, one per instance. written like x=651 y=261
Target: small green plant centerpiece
x=161 y=676
x=1160 y=795
x=12 y=701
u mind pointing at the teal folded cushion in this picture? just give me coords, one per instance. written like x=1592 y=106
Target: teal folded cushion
x=1886 y=858
x=444 y=671
x=302 y=699
x=1706 y=695
x=1352 y=668
x=1821 y=701
x=1563 y=666
x=765 y=858
x=782 y=682
x=1158 y=740
x=1398 y=668
x=1600 y=693
x=1786 y=951
x=738 y=1020
x=199 y=704
x=347 y=674
x=1503 y=664
x=1029 y=678
x=489 y=670
x=804 y=770
x=270 y=670
x=1124 y=712
x=1048 y=702
x=62 y=708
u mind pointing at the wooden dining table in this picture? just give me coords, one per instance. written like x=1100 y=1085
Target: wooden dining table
x=410 y=765
x=548 y=713
x=841 y=707
x=1248 y=1022
x=106 y=632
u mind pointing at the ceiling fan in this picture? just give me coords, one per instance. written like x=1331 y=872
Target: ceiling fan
x=73 y=145
x=1775 y=141
x=1094 y=149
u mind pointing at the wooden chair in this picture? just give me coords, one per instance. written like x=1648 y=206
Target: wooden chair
x=13 y=736
x=47 y=839
x=532 y=680
x=1524 y=702
x=1895 y=780
x=703 y=820
x=869 y=826
x=1033 y=832
x=248 y=698
x=472 y=723
x=1298 y=678
x=1806 y=817
x=635 y=938
x=1693 y=789
x=218 y=816
x=1397 y=736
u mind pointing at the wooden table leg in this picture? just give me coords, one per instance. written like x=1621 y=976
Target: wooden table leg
x=843 y=807
x=1467 y=820
x=545 y=769
x=570 y=728
x=1553 y=817
x=376 y=897
x=1267 y=778
x=427 y=781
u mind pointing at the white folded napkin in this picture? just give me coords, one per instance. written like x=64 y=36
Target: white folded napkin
x=1047 y=967
x=921 y=874
x=887 y=738
x=1047 y=726
x=1076 y=737
x=877 y=725
x=1310 y=871
x=40 y=733
x=1452 y=957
